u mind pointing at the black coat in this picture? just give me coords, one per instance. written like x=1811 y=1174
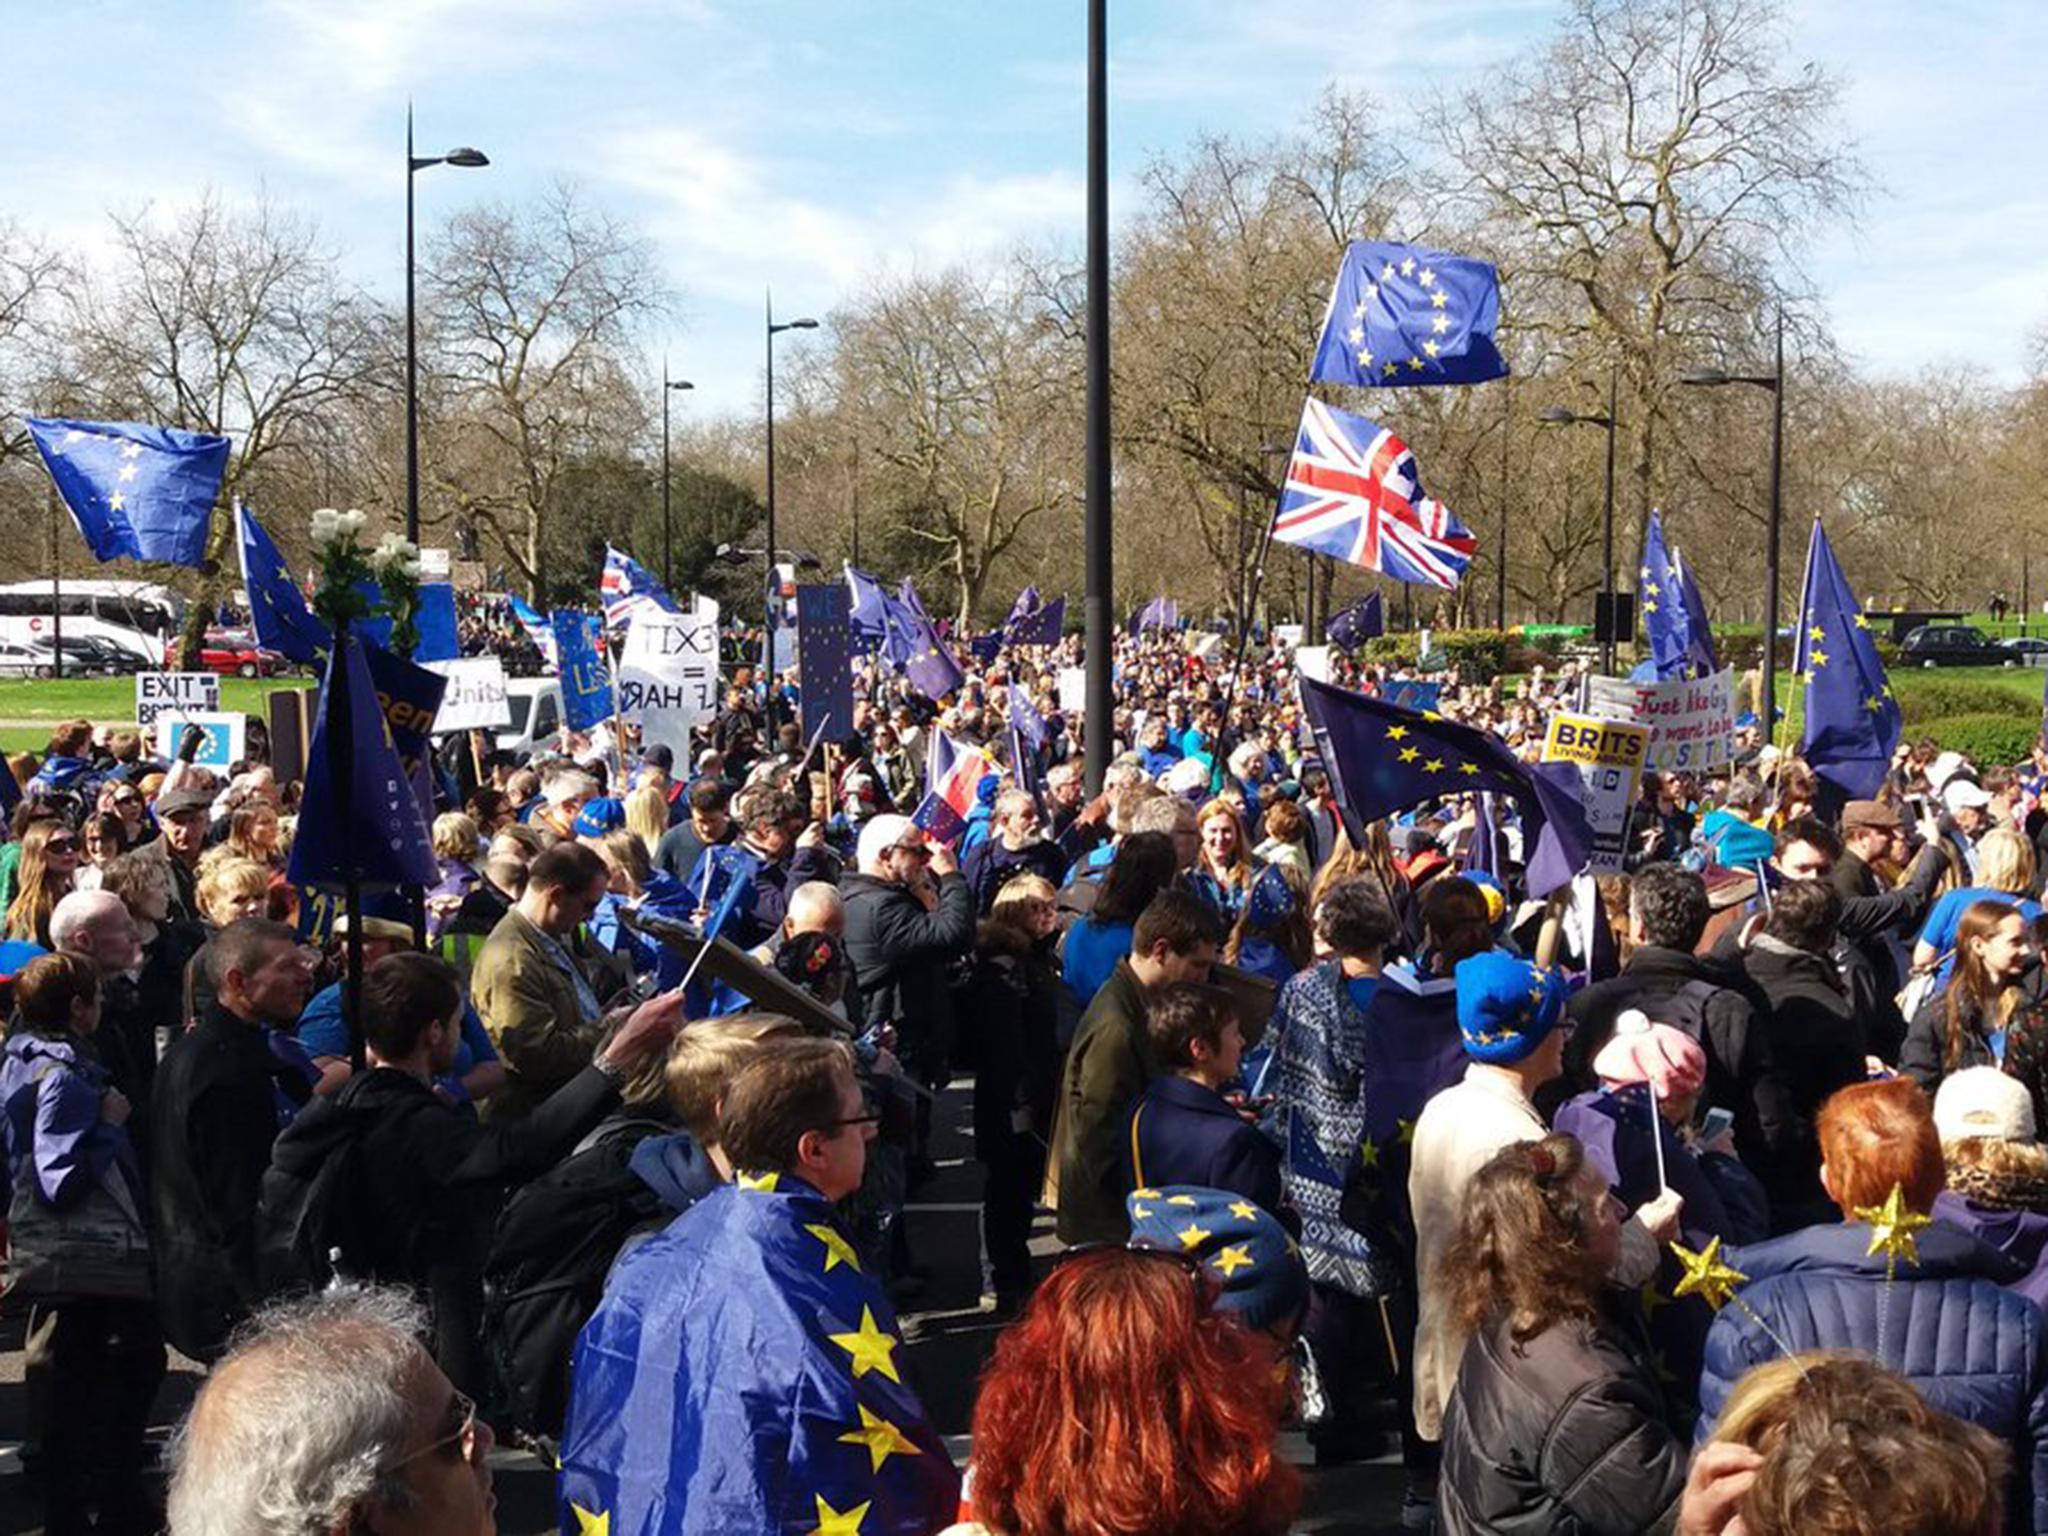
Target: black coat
x=1184 y=1132
x=1818 y=1042
x=905 y=961
x=1011 y=1033
x=1563 y=1432
x=215 y=1118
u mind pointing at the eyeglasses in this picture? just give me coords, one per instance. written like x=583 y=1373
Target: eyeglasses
x=61 y=845
x=464 y=1433
x=915 y=850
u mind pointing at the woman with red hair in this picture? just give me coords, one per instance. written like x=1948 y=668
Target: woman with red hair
x=1123 y=1401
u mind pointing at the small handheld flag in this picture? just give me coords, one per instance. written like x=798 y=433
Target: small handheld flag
x=136 y=492
x=1405 y=315
x=1364 y=620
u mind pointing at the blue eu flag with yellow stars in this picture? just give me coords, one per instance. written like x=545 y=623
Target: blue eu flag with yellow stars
x=1382 y=758
x=277 y=608
x=743 y=1373
x=824 y=653
x=1852 y=718
x=586 y=673
x=136 y=492
x=1681 y=643
x=1408 y=315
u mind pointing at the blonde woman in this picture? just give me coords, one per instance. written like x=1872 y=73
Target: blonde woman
x=231 y=888
x=647 y=815
x=2005 y=872
x=50 y=852
x=1224 y=868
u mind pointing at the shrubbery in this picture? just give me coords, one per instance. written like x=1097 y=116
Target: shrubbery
x=1482 y=653
x=1989 y=740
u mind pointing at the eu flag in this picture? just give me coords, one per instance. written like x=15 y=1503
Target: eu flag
x=383 y=839
x=410 y=697
x=1160 y=613
x=1364 y=620
x=929 y=664
x=824 y=652
x=1407 y=315
x=1033 y=622
x=1382 y=758
x=277 y=609
x=434 y=617
x=869 y=611
x=1852 y=718
x=136 y=492
x=1681 y=645
x=744 y=1374
x=586 y=675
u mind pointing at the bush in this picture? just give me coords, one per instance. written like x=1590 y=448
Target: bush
x=1989 y=740
x=1482 y=653
x=1938 y=699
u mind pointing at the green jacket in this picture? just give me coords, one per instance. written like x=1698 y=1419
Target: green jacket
x=1108 y=1066
x=528 y=1006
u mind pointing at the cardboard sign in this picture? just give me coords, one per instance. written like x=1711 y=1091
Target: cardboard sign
x=1314 y=661
x=169 y=693
x=1691 y=722
x=668 y=677
x=1074 y=691
x=225 y=737
x=476 y=698
x=1609 y=756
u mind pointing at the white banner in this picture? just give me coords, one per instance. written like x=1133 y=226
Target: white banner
x=224 y=741
x=1314 y=661
x=1074 y=691
x=1609 y=757
x=668 y=677
x=165 y=693
x=1691 y=723
x=476 y=699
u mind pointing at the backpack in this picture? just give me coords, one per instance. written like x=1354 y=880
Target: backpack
x=1686 y=1009
x=313 y=1203
x=555 y=1243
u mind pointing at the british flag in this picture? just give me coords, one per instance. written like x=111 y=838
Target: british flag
x=628 y=589
x=1352 y=491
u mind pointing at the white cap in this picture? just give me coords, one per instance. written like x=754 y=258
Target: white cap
x=1962 y=795
x=1983 y=1101
x=1945 y=766
x=877 y=838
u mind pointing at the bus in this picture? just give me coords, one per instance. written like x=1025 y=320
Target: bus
x=140 y=617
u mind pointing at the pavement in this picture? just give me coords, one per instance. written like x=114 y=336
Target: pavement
x=947 y=1341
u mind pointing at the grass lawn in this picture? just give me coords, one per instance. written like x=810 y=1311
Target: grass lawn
x=104 y=701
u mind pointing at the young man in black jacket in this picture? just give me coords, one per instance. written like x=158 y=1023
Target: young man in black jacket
x=421 y=1216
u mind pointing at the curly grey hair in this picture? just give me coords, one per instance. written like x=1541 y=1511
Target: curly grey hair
x=291 y=1431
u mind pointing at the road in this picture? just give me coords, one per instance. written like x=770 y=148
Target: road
x=948 y=1339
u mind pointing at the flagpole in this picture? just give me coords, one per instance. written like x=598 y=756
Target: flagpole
x=1244 y=631
x=56 y=591
x=341 y=769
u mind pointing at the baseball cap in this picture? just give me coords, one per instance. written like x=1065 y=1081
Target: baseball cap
x=1983 y=1101
x=1962 y=795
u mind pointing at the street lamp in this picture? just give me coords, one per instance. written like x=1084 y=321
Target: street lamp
x=1774 y=381
x=468 y=159
x=1558 y=416
x=774 y=597
x=668 y=573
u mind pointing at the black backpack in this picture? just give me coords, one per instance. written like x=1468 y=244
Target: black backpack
x=312 y=1205
x=555 y=1242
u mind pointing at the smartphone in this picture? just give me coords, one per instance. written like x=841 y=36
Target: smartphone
x=1718 y=1122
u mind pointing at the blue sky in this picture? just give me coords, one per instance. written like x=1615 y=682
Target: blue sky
x=806 y=143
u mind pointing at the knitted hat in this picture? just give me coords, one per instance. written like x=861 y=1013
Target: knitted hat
x=599 y=817
x=1983 y=1101
x=1506 y=1006
x=1271 y=900
x=1258 y=1270
x=1668 y=1059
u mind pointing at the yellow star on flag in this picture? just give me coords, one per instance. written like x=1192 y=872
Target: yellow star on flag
x=1816 y=658
x=760 y=1183
x=1652 y=589
x=1232 y=1259
x=1440 y=324
x=1369 y=1154
x=1430 y=347
x=1244 y=1210
x=1893 y=1227
x=1415 y=363
x=1874 y=704
x=1409 y=754
x=1365 y=359
x=1389 y=370
x=1434 y=765
x=1430 y=714
x=1650 y=604
x=1193 y=1236
x=882 y=1439
x=1397 y=733
x=832 y=1523
x=1407 y=266
x=591 y=1522
x=1468 y=768
x=1404 y=1131
x=1182 y=1200
x=128 y=472
x=870 y=1347
x=117 y=501
x=1861 y=622
x=1437 y=299
x=1146 y=1194
x=1142 y=1212
x=1705 y=1275
x=131 y=450
x=1817 y=632
x=1386 y=272
x=1425 y=277
x=838 y=1250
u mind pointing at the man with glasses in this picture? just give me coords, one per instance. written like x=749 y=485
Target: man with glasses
x=330 y=1416
x=744 y=1371
x=540 y=985
x=780 y=848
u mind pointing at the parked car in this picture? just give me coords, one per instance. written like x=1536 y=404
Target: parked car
x=84 y=656
x=2028 y=650
x=536 y=705
x=232 y=654
x=22 y=661
x=1953 y=645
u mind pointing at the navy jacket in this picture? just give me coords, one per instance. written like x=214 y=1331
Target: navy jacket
x=1971 y=1347
x=1183 y=1132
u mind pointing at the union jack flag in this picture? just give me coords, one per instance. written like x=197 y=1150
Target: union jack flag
x=629 y=589
x=1352 y=491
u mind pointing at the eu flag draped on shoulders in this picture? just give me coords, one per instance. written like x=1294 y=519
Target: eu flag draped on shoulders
x=744 y=1375
x=1382 y=758
x=277 y=608
x=1852 y=719
x=1353 y=491
x=1681 y=644
x=1407 y=315
x=136 y=492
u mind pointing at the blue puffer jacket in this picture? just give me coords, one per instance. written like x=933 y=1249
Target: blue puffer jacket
x=1971 y=1347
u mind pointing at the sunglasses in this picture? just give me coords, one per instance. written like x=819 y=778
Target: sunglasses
x=915 y=850
x=61 y=845
x=461 y=1407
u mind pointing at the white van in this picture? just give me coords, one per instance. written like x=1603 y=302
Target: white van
x=536 y=705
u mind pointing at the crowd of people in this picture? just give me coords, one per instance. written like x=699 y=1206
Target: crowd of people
x=1706 y=1196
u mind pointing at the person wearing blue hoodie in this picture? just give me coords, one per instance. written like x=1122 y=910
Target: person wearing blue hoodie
x=68 y=1152
x=69 y=768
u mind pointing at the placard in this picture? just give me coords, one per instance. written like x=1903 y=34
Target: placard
x=1609 y=756
x=165 y=693
x=1074 y=691
x=1314 y=661
x=1691 y=721
x=668 y=678
x=225 y=741
x=476 y=698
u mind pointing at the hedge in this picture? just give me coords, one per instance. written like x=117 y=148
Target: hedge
x=1481 y=652
x=1938 y=699
x=1989 y=740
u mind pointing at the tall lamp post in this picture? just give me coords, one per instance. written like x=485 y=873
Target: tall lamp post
x=768 y=635
x=1558 y=416
x=469 y=159
x=668 y=552
x=1098 y=557
x=1774 y=381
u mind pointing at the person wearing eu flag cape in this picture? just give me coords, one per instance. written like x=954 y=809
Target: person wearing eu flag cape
x=743 y=1372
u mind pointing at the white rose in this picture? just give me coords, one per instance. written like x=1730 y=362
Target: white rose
x=325 y=521
x=352 y=522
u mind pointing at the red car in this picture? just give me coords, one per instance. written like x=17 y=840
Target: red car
x=233 y=655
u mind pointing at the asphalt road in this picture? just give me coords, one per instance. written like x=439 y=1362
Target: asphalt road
x=948 y=1339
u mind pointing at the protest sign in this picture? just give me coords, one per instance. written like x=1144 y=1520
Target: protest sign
x=1074 y=691
x=1204 y=644
x=1609 y=756
x=225 y=736
x=1691 y=720
x=167 y=693
x=825 y=659
x=1314 y=661
x=476 y=699
x=668 y=677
